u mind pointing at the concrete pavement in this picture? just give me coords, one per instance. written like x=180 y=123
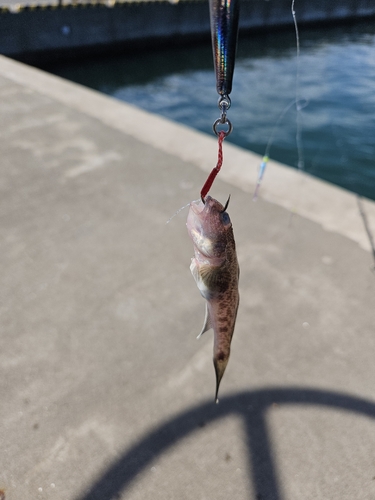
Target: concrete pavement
x=105 y=392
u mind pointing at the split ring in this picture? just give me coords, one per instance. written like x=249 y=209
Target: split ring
x=219 y=122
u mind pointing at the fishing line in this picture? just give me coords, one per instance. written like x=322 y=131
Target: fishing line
x=271 y=139
x=178 y=211
x=301 y=162
x=300 y=104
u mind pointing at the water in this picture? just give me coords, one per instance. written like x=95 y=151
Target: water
x=337 y=83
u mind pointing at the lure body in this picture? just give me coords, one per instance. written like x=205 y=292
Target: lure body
x=216 y=272
x=224 y=16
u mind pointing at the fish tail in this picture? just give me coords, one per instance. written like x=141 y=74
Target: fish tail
x=220 y=363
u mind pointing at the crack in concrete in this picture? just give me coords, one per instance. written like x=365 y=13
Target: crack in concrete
x=367 y=227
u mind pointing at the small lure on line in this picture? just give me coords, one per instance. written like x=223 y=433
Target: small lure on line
x=216 y=272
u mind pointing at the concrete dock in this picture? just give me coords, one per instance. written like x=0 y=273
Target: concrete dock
x=105 y=391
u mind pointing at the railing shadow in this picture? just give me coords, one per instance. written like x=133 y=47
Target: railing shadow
x=252 y=407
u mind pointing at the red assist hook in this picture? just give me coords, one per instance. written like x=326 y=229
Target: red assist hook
x=210 y=179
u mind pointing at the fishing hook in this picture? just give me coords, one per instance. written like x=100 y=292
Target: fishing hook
x=226 y=205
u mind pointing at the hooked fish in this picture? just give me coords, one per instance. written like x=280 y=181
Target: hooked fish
x=216 y=272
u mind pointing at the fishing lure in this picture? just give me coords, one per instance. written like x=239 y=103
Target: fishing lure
x=224 y=17
x=216 y=273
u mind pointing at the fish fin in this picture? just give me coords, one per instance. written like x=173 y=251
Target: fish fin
x=207 y=323
x=196 y=272
x=194 y=269
x=214 y=279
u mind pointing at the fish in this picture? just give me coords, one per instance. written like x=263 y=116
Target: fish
x=216 y=272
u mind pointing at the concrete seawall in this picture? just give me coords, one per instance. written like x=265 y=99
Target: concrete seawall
x=34 y=31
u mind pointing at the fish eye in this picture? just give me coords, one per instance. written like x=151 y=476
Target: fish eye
x=224 y=217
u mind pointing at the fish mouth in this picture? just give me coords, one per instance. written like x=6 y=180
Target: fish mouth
x=199 y=205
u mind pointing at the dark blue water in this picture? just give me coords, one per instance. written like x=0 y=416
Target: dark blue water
x=337 y=83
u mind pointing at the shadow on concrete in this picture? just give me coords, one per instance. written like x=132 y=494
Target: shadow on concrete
x=251 y=407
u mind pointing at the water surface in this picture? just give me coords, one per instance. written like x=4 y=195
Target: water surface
x=336 y=85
